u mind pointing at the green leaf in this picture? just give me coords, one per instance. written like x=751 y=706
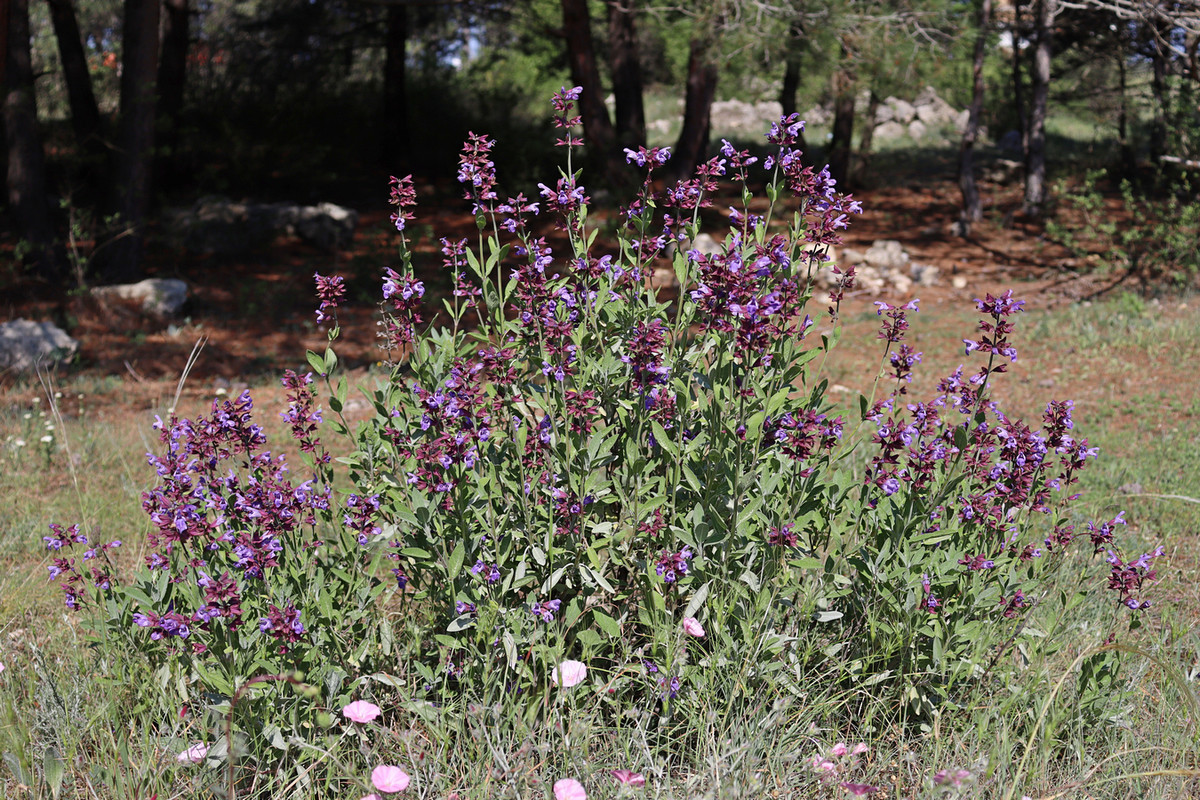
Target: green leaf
x=697 y=601
x=455 y=563
x=316 y=362
x=828 y=616
x=460 y=623
x=607 y=624
x=54 y=770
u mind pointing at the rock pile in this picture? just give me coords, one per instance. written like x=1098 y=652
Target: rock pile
x=885 y=266
x=221 y=226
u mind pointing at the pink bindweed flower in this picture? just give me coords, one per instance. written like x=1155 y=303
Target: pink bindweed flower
x=569 y=788
x=569 y=673
x=840 y=749
x=627 y=777
x=372 y=796
x=692 y=627
x=388 y=778
x=859 y=749
x=361 y=711
x=193 y=755
x=858 y=789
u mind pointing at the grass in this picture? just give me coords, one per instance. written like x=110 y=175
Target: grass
x=80 y=709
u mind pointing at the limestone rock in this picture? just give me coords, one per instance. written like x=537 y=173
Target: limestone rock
x=916 y=129
x=924 y=274
x=154 y=297
x=890 y=130
x=25 y=345
x=886 y=254
x=902 y=111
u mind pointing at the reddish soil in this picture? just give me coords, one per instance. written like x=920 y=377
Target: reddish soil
x=255 y=313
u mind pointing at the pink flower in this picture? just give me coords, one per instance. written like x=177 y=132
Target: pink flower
x=692 y=627
x=568 y=674
x=387 y=778
x=627 y=777
x=859 y=789
x=859 y=749
x=361 y=711
x=193 y=755
x=839 y=749
x=569 y=788
x=371 y=796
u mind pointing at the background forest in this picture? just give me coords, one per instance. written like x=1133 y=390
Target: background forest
x=116 y=110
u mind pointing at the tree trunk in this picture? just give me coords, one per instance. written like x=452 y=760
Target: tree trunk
x=135 y=140
x=172 y=79
x=1035 y=162
x=1018 y=82
x=701 y=90
x=396 y=144
x=866 y=141
x=1158 y=86
x=972 y=208
x=26 y=161
x=843 y=125
x=85 y=115
x=791 y=74
x=1128 y=165
x=630 y=112
x=598 y=131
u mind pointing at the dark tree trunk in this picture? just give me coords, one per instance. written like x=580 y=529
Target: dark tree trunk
x=701 y=90
x=791 y=74
x=135 y=141
x=396 y=143
x=843 y=125
x=630 y=112
x=1035 y=162
x=172 y=80
x=26 y=162
x=1158 y=86
x=1127 y=159
x=598 y=132
x=1018 y=81
x=866 y=141
x=85 y=115
x=972 y=209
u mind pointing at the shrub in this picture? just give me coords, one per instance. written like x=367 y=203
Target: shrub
x=603 y=489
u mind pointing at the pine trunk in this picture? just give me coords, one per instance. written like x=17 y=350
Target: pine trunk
x=135 y=141
x=26 y=161
x=85 y=115
x=1035 y=163
x=630 y=112
x=843 y=126
x=598 y=132
x=701 y=90
x=972 y=210
x=172 y=80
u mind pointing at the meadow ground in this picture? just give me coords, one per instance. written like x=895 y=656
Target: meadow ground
x=72 y=449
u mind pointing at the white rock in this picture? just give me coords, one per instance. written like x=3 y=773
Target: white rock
x=902 y=111
x=959 y=282
x=924 y=274
x=890 y=130
x=899 y=280
x=25 y=345
x=886 y=254
x=157 y=297
x=916 y=129
x=706 y=244
x=328 y=226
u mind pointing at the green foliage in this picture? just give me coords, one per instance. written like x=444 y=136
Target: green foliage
x=1151 y=238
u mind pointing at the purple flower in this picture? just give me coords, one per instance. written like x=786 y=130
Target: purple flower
x=330 y=291
x=546 y=610
x=673 y=566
